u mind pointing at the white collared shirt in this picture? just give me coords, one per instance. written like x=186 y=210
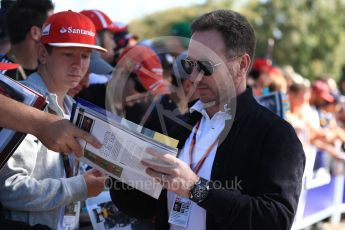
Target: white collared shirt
x=208 y=132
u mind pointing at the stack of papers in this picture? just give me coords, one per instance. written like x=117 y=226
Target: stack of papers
x=124 y=146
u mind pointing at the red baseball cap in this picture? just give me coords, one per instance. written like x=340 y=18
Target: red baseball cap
x=8 y=66
x=100 y=19
x=262 y=65
x=144 y=62
x=120 y=27
x=69 y=29
x=323 y=90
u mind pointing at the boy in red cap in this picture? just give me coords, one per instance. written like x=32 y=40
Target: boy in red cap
x=37 y=185
x=137 y=75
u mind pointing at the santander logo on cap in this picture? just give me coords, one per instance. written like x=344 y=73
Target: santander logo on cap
x=69 y=29
x=72 y=30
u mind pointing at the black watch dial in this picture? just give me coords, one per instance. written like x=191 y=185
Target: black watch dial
x=199 y=191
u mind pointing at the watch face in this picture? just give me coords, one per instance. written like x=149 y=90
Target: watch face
x=199 y=192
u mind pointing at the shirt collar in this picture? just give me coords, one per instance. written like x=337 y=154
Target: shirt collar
x=199 y=106
x=245 y=103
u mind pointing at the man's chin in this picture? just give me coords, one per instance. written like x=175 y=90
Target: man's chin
x=205 y=99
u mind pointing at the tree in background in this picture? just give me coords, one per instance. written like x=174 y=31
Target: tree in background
x=308 y=34
x=160 y=24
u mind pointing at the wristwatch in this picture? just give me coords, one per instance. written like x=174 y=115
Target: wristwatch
x=199 y=190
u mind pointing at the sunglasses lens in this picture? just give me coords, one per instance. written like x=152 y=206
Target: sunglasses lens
x=206 y=67
x=187 y=65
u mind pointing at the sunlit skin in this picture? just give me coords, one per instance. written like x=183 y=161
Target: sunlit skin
x=63 y=68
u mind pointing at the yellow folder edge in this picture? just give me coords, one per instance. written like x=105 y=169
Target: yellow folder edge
x=165 y=139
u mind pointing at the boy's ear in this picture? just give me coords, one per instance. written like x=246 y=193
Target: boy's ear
x=42 y=54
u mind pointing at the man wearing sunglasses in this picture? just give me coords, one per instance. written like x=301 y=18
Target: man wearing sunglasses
x=240 y=166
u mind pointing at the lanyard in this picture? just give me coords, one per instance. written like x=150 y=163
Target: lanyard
x=67 y=165
x=204 y=156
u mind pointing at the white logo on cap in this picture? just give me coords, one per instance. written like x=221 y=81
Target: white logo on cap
x=46 y=29
x=63 y=30
x=72 y=30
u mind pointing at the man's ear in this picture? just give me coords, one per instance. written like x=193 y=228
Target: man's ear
x=35 y=33
x=42 y=54
x=245 y=63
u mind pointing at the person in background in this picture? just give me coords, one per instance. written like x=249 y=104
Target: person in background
x=137 y=81
x=122 y=39
x=5 y=44
x=24 y=21
x=257 y=76
x=173 y=106
x=100 y=69
x=105 y=31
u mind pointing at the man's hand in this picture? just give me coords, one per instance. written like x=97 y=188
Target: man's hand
x=53 y=131
x=95 y=182
x=178 y=179
x=61 y=135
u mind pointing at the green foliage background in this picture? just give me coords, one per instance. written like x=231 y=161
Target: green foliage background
x=309 y=35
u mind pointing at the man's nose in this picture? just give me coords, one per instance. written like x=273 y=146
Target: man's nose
x=196 y=76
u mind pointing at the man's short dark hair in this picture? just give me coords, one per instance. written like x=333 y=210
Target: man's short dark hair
x=25 y=14
x=237 y=33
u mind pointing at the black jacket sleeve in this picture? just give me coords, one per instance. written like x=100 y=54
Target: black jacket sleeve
x=277 y=187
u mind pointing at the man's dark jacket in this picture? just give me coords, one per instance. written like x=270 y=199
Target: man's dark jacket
x=262 y=153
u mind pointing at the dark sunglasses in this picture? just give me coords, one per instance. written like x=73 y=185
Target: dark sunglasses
x=204 y=67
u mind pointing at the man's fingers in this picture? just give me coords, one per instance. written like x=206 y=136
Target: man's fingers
x=161 y=155
x=96 y=172
x=88 y=138
x=156 y=175
x=102 y=179
x=158 y=168
x=75 y=147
